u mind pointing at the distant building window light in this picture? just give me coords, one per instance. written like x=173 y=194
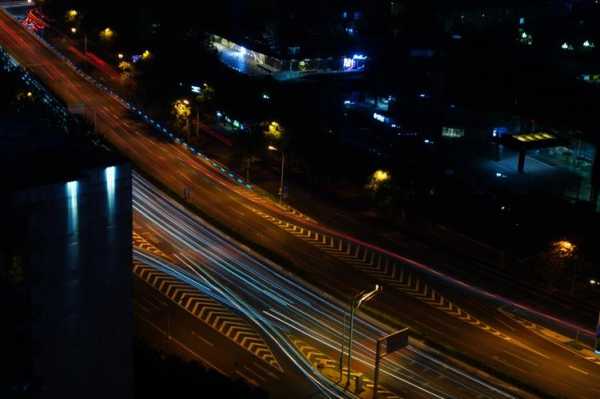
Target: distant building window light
x=588 y=44
x=499 y=131
x=196 y=89
x=379 y=117
x=525 y=38
x=566 y=46
x=522 y=21
x=452 y=132
x=359 y=57
x=350 y=30
x=345 y=14
x=456 y=36
x=348 y=63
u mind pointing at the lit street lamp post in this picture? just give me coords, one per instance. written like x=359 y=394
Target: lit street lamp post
x=271 y=148
x=358 y=300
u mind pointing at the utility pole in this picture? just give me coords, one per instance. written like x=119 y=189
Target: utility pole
x=281 y=181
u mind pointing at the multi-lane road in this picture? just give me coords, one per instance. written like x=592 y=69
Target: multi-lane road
x=456 y=316
x=295 y=309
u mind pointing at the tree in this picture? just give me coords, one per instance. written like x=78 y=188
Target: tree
x=559 y=261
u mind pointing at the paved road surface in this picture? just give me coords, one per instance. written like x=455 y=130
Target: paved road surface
x=222 y=200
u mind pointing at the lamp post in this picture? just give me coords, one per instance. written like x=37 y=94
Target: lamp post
x=272 y=148
x=358 y=300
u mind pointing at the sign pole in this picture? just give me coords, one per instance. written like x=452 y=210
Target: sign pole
x=377 y=361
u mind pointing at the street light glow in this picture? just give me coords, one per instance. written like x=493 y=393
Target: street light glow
x=564 y=248
x=381 y=176
x=107 y=33
x=71 y=15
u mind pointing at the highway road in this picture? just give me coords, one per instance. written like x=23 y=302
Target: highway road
x=476 y=329
x=293 y=307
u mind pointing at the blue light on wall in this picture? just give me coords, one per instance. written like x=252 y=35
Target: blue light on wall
x=110 y=174
x=72 y=188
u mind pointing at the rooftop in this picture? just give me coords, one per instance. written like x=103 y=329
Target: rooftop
x=31 y=156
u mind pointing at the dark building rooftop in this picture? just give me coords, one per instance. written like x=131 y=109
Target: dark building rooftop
x=31 y=156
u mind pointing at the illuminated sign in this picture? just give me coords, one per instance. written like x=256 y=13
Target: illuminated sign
x=533 y=137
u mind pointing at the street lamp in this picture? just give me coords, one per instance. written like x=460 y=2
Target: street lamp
x=358 y=300
x=107 y=34
x=71 y=15
x=272 y=148
x=378 y=178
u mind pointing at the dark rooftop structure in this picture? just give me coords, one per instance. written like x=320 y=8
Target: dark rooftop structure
x=65 y=244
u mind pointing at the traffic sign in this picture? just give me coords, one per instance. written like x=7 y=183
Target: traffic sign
x=396 y=341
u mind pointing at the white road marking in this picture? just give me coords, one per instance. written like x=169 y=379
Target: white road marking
x=505 y=324
x=521 y=358
x=207 y=342
x=579 y=370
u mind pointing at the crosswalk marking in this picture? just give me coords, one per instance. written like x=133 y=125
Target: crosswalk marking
x=210 y=312
x=383 y=268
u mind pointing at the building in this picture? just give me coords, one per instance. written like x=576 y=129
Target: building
x=252 y=61
x=65 y=280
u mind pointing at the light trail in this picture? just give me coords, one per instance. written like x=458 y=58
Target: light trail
x=272 y=299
